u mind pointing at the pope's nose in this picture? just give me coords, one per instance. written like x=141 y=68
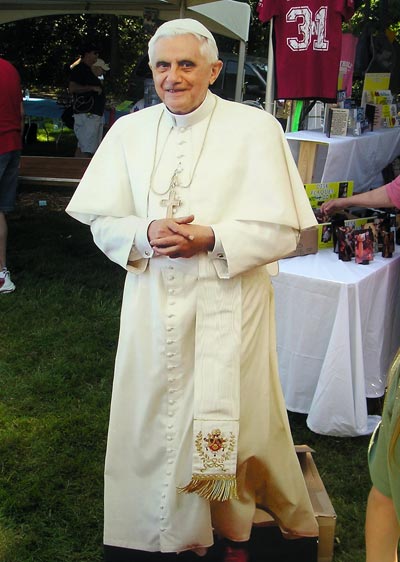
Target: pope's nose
x=174 y=74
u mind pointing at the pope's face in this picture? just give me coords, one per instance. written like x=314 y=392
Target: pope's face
x=181 y=73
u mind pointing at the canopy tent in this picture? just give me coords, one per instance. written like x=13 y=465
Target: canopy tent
x=225 y=17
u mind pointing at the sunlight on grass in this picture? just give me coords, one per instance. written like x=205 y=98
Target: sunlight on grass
x=9 y=541
x=48 y=138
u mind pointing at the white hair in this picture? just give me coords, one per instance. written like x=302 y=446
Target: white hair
x=208 y=46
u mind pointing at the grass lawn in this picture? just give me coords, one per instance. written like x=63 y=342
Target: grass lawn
x=48 y=138
x=59 y=334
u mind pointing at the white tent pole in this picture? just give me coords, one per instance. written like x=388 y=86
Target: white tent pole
x=269 y=93
x=240 y=72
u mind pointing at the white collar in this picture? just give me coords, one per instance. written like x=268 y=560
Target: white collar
x=190 y=119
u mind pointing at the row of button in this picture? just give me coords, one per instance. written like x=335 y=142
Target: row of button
x=171 y=353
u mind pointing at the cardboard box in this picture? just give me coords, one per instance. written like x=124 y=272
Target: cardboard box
x=312 y=239
x=308 y=243
x=323 y=508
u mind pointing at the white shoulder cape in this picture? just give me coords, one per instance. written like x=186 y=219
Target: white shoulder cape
x=246 y=171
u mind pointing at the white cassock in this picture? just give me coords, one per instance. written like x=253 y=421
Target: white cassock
x=241 y=179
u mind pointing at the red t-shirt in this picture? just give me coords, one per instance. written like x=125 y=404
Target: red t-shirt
x=10 y=108
x=308 y=38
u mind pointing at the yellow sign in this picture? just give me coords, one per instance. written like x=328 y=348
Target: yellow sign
x=376 y=81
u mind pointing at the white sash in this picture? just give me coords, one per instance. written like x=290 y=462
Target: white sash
x=217 y=385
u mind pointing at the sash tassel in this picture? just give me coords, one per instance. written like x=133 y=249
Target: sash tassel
x=212 y=487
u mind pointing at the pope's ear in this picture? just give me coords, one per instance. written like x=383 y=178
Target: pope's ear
x=215 y=70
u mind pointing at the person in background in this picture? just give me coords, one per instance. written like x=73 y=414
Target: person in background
x=11 y=130
x=387 y=195
x=99 y=67
x=198 y=432
x=88 y=102
x=382 y=526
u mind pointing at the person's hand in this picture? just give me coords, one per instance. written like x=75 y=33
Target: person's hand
x=97 y=89
x=165 y=227
x=329 y=207
x=177 y=238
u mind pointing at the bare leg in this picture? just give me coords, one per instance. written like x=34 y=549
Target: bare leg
x=382 y=529
x=3 y=240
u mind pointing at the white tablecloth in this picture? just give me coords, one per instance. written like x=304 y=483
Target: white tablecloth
x=360 y=159
x=338 y=328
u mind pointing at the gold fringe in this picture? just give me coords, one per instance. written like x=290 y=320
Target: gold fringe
x=213 y=487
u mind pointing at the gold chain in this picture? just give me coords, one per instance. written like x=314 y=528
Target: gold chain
x=173 y=181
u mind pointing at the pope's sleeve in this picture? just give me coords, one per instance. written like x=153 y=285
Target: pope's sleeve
x=105 y=188
x=300 y=202
x=267 y=184
x=261 y=234
x=123 y=240
x=249 y=244
x=104 y=201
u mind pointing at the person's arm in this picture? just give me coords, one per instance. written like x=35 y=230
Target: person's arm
x=382 y=531
x=76 y=88
x=373 y=198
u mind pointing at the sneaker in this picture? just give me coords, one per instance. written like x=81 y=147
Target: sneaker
x=6 y=285
x=235 y=554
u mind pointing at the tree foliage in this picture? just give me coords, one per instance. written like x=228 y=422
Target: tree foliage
x=377 y=15
x=43 y=48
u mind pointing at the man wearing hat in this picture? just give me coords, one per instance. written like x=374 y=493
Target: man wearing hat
x=196 y=198
x=88 y=101
x=99 y=67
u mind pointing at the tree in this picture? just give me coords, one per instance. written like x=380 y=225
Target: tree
x=43 y=48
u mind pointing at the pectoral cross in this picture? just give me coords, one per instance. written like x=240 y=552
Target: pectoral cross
x=172 y=203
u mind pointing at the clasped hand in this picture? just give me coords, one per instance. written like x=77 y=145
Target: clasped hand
x=178 y=238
